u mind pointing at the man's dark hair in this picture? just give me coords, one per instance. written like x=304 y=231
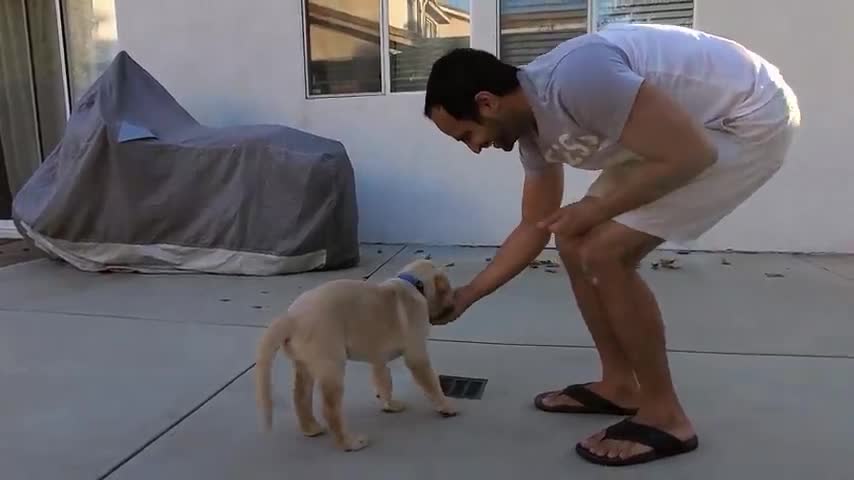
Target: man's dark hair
x=460 y=74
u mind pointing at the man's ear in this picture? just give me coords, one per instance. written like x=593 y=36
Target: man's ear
x=486 y=101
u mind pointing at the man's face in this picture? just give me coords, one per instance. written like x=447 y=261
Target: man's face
x=496 y=127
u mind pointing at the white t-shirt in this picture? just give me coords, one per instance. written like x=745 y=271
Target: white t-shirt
x=582 y=91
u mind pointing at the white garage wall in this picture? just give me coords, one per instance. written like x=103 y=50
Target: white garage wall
x=225 y=61
x=236 y=62
x=807 y=207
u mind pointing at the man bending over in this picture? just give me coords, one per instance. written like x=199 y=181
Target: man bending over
x=683 y=125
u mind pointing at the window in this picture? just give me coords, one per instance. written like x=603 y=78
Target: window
x=529 y=28
x=363 y=47
x=343 y=46
x=421 y=31
x=90 y=41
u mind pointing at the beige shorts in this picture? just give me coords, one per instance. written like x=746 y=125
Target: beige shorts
x=751 y=150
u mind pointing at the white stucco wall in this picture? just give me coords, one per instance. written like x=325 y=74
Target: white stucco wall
x=236 y=62
x=225 y=61
x=808 y=205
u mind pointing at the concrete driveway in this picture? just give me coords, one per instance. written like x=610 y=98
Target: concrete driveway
x=125 y=376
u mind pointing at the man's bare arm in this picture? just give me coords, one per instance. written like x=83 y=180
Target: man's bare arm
x=675 y=149
x=541 y=195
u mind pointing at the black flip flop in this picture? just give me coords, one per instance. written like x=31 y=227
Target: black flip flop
x=662 y=443
x=590 y=401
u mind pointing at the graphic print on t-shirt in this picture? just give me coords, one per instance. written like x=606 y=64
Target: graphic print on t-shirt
x=572 y=151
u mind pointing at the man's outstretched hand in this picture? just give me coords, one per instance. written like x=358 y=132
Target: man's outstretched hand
x=464 y=297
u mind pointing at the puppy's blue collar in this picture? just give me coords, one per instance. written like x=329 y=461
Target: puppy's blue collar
x=418 y=284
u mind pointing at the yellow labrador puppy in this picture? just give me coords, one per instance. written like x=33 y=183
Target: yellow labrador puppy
x=355 y=320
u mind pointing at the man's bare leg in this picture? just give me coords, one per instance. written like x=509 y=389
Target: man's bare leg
x=609 y=257
x=618 y=383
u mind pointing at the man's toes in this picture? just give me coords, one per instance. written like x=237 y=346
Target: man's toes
x=611 y=448
x=619 y=449
x=593 y=441
x=598 y=445
x=565 y=401
x=622 y=449
x=604 y=450
x=633 y=449
x=558 y=399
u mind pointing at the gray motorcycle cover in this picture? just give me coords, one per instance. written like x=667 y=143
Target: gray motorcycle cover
x=137 y=184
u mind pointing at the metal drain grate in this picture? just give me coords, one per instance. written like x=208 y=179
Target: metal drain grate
x=462 y=387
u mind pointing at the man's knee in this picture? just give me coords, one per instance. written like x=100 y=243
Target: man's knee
x=592 y=256
x=599 y=259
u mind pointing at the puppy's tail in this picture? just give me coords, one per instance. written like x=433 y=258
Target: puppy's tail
x=273 y=338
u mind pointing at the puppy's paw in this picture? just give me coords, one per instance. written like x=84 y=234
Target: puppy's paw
x=313 y=430
x=354 y=443
x=447 y=410
x=394 y=406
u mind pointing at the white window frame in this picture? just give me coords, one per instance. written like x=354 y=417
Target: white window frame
x=63 y=54
x=61 y=20
x=385 y=60
x=592 y=24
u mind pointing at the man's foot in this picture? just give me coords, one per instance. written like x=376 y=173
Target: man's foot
x=599 y=397
x=640 y=439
